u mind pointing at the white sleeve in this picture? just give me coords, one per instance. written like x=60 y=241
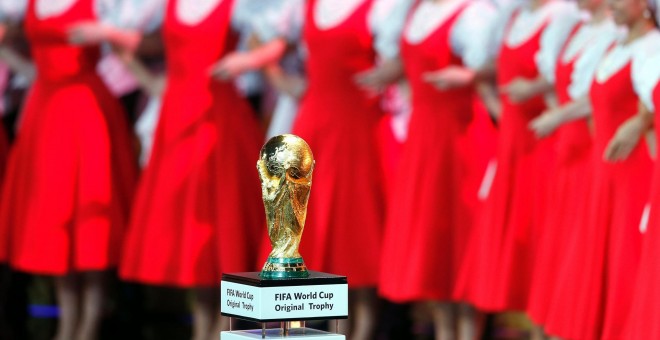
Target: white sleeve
x=563 y=19
x=12 y=10
x=107 y=11
x=386 y=20
x=501 y=22
x=244 y=14
x=646 y=70
x=279 y=19
x=587 y=63
x=470 y=36
x=141 y=15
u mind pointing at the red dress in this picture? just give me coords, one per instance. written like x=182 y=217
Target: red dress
x=339 y=121
x=619 y=194
x=645 y=312
x=570 y=198
x=72 y=171
x=198 y=210
x=432 y=201
x=567 y=200
x=497 y=268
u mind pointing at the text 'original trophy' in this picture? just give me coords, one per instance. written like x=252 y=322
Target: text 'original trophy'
x=284 y=291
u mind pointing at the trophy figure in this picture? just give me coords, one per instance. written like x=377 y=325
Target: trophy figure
x=285 y=168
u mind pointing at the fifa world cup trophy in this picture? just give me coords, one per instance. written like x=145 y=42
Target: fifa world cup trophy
x=285 y=168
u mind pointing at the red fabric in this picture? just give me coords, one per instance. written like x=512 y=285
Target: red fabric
x=643 y=318
x=619 y=193
x=390 y=147
x=340 y=122
x=431 y=212
x=567 y=202
x=198 y=210
x=498 y=261
x=72 y=171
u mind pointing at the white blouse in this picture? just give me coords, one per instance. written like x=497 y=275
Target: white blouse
x=561 y=16
x=591 y=42
x=386 y=20
x=646 y=70
x=621 y=54
x=470 y=35
x=14 y=10
x=279 y=19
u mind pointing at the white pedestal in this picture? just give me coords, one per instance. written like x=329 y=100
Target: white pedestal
x=276 y=333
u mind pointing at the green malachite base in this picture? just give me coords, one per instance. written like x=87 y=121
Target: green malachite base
x=284 y=268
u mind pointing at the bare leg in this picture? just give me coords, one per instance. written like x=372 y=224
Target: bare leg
x=467 y=323
x=340 y=326
x=68 y=299
x=364 y=322
x=221 y=324
x=444 y=318
x=470 y=322
x=537 y=333
x=93 y=302
x=205 y=312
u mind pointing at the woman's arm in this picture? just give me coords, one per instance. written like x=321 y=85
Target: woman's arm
x=628 y=135
x=260 y=55
x=152 y=83
x=550 y=120
x=17 y=62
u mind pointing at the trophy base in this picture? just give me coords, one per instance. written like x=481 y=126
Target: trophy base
x=249 y=296
x=283 y=268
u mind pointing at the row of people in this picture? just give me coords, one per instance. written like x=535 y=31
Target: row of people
x=458 y=224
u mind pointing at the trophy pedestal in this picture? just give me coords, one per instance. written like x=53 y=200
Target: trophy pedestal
x=249 y=297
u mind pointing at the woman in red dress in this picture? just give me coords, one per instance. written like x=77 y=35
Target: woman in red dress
x=339 y=119
x=620 y=189
x=560 y=246
x=496 y=272
x=642 y=319
x=434 y=194
x=198 y=208
x=72 y=171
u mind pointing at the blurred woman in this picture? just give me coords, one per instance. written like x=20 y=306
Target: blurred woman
x=620 y=188
x=338 y=117
x=445 y=44
x=643 y=314
x=71 y=174
x=198 y=207
x=496 y=273
x=560 y=248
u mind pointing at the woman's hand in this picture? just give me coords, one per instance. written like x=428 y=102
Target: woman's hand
x=627 y=136
x=546 y=123
x=232 y=65
x=519 y=90
x=376 y=79
x=450 y=77
x=88 y=33
x=625 y=140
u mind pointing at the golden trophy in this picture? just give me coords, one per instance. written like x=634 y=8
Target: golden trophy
x=285 y=168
